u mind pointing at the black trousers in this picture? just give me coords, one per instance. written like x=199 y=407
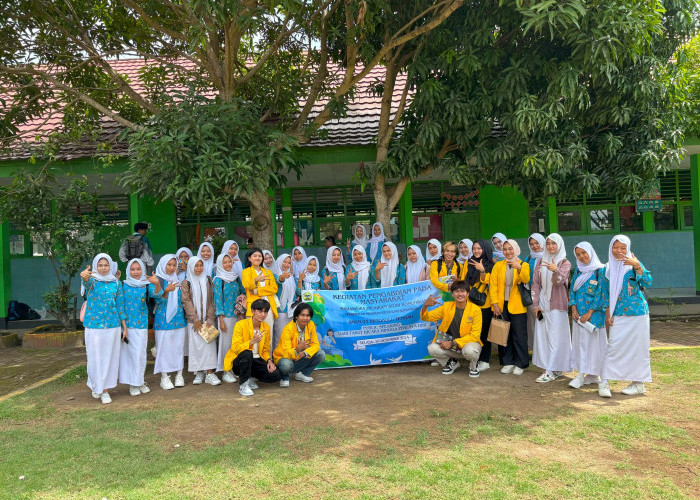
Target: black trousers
x=486 y=316
x=246 y=366
x=515 y=353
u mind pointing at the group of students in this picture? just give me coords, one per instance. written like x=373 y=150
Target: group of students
x=267 y=334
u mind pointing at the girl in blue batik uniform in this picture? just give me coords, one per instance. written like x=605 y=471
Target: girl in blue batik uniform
x=132 y=359
x=227 y=287
x=309 y=279
x=104 y=325
x=374 y=247
x=334 y=272
x=587 y=311
x=169 y=324
x=388 y=271
x=357 y=274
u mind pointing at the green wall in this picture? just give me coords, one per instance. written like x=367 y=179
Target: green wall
x=161 y=218
x=5 y=279
x=503 y=210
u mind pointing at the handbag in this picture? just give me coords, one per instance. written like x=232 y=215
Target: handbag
x=478 y=298
x=525 y=295
x=498 y=331
x=208 y=332
x=83 y=308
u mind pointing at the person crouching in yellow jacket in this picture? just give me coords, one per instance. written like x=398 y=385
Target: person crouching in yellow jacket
x=298 y=350
x=459 y=333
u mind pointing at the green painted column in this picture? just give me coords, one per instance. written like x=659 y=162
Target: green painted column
x=273 y=214
x=287 y=218
x=406 y=216
x=5 y=271
x=695 y=187
x=503 y=210
x=552 y=217
x=134 y=210
x=648 y=222
x=163 y=228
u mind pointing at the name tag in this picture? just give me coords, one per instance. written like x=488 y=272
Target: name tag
x=593 y=282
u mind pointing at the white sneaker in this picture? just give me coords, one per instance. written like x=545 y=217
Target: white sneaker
x=253 y=384
x=212 y=379
x=482 y=365
x=105 y=398
x=604 y=390
x=634 y=389
x=303 y=378
x=591 y=379
x=577 y=382
x=144 y=389
x=284 y=383
x=229 y=377
x=508 y=369
x=166 y=383
x=245 y=389
x=544 y=378
x=198 y=378
x=555 y=375
x=153 y=351
x=134 y=391
x=435 y=363
x=96 y=395
x=518 y=371
x=179 y=380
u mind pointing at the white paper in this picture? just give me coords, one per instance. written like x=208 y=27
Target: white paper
x=423 y=225
x=588 y=326
x=416 y=232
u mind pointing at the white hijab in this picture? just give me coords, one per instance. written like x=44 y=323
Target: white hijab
x=361 y=267
x=311 y=277
x=586 y=270
x=461 y=258
x=364 y=239
x=388 y=272
x=339 y=268
x=289 y=286
x=198 y=287
x=615 y=270
x=265 y=252
x=498 y=254
x=97 y=276
x=227 y=276
x=536 y=256
x=237 y=264
x=171 y=309
x=429 y=258
x=136 y=283
x=413 y=269
x=181 y=275
x=375 y=242
x=553 y=258
x=208 y=264
x=299 y=267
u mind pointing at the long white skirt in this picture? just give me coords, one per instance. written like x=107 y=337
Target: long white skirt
x=170 y=354
x=627 y=355
x=102 y=348
x=588 y=349
x=202 y=356
x=225 y=339
x=280 y=322
x=132 y=358
x=551 y=348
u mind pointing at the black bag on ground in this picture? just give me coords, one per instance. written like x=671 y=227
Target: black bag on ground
x=20 y=311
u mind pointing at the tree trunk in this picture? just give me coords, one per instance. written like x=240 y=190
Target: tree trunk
x=261 y=220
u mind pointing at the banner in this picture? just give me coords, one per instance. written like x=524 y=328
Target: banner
x=372 y=327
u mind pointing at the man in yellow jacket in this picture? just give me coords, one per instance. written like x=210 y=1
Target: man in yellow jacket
x=459 y=333
x=298 y=350
x=249 y=355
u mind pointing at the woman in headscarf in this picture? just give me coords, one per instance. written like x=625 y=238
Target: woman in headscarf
x=286 y=293
x=259 y=283
x=551 y=350
x=357 y=273
x=359 y=232
x=416 y=269
x=132 y=358
x=627 y=316
x=268 y=260
x=588 y=338
x=374 y=247
x=507 y=302
x=198 y=304
x=498 y=240
x=334 y=272
x=389 y=271
x=465 y=251
x=206 y=253
x=183 y=255
x=478 y=276
x=231 y=248
x=299 y=261
x=433 y=250
x=536 y=242
x=309 y=279
x=105 y=325
x=169 y=323
x=445 y=270
x=227 y=287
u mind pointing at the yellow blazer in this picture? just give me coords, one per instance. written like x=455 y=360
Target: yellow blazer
x=469 y=328
x=269 y=289
x=242 y=334
x=498 y=286
x=289 y=339
x=434 y=275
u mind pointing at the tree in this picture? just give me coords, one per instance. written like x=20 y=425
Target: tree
x=274 y=54
x=555 y=98
x=64 y=220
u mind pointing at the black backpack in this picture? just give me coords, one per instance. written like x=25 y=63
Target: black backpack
x=134 y=247
x=19 y=310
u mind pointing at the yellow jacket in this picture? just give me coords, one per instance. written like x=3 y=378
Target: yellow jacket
x=469 y=328
x=269 y=289
x=498 y=284
x=434 y=275
x=289 y=339
x=242 y=334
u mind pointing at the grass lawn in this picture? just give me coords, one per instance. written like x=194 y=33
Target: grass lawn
x=635 y=447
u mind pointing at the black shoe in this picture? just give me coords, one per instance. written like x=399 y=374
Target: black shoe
x=450 y=367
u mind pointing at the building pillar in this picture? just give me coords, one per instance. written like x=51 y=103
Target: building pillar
x=160 y=215
x=695 y=190
x=134 y=211
x=287 y=218
x=273 y=215
x=5 y=270
x=552 y=217
x=406 y=216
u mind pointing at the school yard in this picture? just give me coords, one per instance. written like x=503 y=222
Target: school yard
x=401 y=431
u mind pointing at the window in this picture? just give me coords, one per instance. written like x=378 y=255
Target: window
x=630 y=220
x=666 y=219
x=16 y=244
x=569 y=221
x=602 y=219
x=537 y=221
x=688 y=216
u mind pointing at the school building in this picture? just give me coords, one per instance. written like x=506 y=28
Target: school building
x=327 y=201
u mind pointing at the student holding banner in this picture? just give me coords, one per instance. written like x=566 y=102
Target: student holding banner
x=334 y=272
x=299 y=351
x=357 y=274
x=459 y=332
